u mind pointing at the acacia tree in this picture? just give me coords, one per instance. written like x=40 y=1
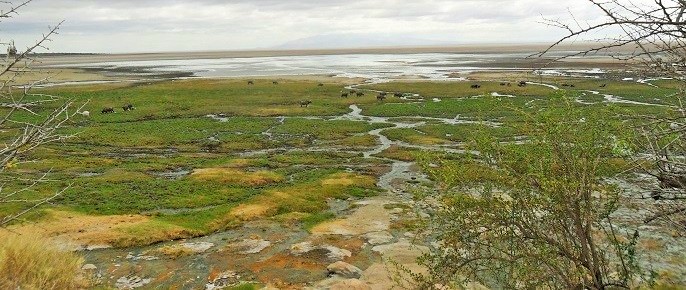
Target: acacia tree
x=28 y=120
x=531 y=215
x=649 y=35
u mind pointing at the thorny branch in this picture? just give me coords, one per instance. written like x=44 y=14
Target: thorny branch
x=28 y=120
x=652 y=37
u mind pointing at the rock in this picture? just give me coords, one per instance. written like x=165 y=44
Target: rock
x=225 y=280
x=198 y=247
x=344 y=269
x=251 y=246
x=378 y=238
x=131 y=282
x=301 y=248
x=89 y=267
x=334 y=254
x=337 y=253
x=351 y=284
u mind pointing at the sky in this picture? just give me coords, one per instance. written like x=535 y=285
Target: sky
x=124 y=26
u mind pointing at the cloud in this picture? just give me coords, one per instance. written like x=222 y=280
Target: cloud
x=157 y=25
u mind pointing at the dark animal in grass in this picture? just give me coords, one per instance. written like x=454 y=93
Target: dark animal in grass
x=398 y=95
x=360 y=94
x=504 y=84
x=127 y=107
x=250 y=83
x=383 y=94
x=603 y=85
x=565 y=85
x=107 y=110
x=344 y=95
x=522 y=84
x=477 y=86
x=320 y=85
x=353 y=92
x=381 y=97
x=305 y=104
x=275 y=82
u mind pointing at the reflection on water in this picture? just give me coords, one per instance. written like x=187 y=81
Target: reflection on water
x=370 y=66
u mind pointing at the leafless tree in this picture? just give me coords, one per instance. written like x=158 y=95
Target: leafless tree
x=28 y=120
x=650 y=35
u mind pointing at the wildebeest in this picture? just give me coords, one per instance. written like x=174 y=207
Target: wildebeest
x=476 y=86
x=275 y=82
x=360 y=94
x=108 y=110
x=345 y=95
x=522 y=84
x=398 y=95
x=250 y=83
x=353 y=92
x=320 y=85
x=504 y=84
x=603 y=85
x=128 y=107
x=305 y=103
x=381 y=97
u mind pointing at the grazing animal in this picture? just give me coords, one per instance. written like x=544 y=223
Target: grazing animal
x=108 y=110
x=250 y=83
x=320 y=85
x=522 y=84
x=476 y=86
x=503 y=84
x=345 y=95
x=398 y=95
x=305 y=104
x=381 y=97
x=603 y=85
x=275 y=82
x=360 y=94
x=565 y=85
x=353 y=92
x=127 y=107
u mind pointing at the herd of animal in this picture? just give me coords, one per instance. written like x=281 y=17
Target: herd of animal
x=125 y=108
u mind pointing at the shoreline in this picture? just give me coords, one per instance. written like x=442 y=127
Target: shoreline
x=76 y=59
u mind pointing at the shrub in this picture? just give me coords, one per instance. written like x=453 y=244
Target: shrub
x=29 y=262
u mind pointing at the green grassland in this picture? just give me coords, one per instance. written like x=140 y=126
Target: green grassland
x=124 y=163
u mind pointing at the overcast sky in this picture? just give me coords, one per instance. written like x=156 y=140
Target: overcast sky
x=201 y=25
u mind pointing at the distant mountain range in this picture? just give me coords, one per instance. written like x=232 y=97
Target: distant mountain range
x=339 y=41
